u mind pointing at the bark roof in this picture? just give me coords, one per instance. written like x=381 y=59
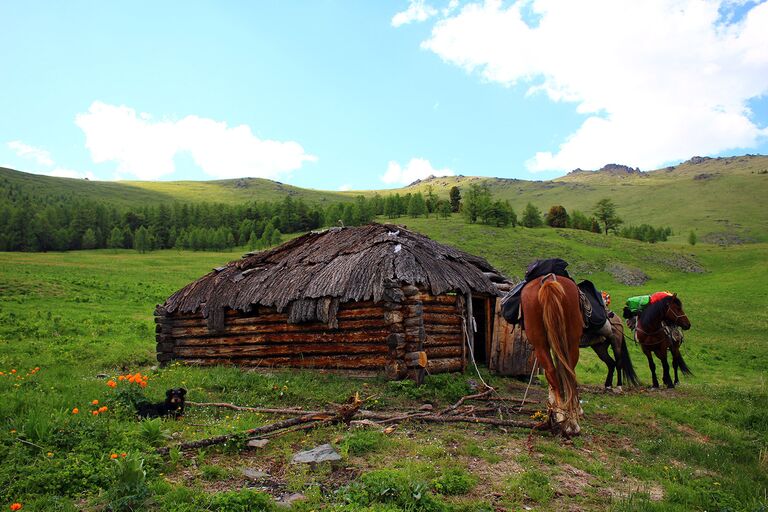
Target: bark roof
x=315 y=272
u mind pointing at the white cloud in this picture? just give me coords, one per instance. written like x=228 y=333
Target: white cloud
x=415 y=169
x=659 y=80
x=146 y=148
x=418 y=10
x=40 y=156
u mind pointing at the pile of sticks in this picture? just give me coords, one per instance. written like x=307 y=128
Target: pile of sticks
x=496 y=411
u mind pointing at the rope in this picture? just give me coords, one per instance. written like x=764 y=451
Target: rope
x=533 y=372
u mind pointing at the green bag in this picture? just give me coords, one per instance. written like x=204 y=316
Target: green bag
x=637 y=304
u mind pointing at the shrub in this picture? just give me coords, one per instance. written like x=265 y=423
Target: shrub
x=241 y=501
x=364 y=441
x=393 y=487
x=130 y=489
x=454 y=481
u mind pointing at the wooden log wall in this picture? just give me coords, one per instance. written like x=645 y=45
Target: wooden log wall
x=436 y=323
x=265 y=338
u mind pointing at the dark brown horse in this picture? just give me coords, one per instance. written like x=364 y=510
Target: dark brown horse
x=622 y=363
x=553 y=325
x=654 y=333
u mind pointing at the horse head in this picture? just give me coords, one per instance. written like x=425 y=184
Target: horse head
x=676 y=315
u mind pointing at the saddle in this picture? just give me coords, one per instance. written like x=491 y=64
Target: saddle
x=590 y=299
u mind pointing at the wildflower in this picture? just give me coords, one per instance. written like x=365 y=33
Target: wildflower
x=113 y=456
x=1 y=373
x=13 y=371
x=143 y=383
x=50 y=454
x=123 y=454
x=95 y=402
x=37 y=368
x=13 y=431
x=122 y=377
x=95 y=413
x=111 y=383
x=75 y=411
x=103 y=408
x=16 y=506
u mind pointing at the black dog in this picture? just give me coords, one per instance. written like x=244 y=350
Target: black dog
x=173 y=405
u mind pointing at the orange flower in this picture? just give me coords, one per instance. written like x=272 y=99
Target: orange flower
x=37 y=368
x=95 y=402
x=143 y=383
x=113 y=456
x=111 y=383
x=131 y=378
x=123 y=454
x=95 y=413
x=1 y=373
x=13 y=371
x=16 y=506
x=103 y=408
x=122 y=377
x=75 y=410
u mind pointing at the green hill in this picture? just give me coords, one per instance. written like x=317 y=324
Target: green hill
x=719 y=198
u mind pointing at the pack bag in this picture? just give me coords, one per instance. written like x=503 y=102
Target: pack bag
x=592 y=307
x=635 y=305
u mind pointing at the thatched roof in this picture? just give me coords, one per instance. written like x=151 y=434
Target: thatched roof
x=310 y=275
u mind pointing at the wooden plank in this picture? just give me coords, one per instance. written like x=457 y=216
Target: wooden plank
x=439 y=319
x=296 y=350
x=444 y=365
x=351 y=337
x=355 y=314
x=187 y=332
x=452 y=351
x=444 y=329
x=361 y=362
x=511 y=354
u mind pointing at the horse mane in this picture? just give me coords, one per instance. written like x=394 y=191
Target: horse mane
x=657 y=310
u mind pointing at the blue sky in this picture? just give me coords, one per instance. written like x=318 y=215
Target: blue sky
x=361 y=95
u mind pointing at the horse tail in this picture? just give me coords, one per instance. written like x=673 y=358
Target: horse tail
x=681 y=363
x=551 y=297
x=626 y=364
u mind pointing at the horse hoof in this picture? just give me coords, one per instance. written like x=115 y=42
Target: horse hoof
x=617 y=390
x=571 y=430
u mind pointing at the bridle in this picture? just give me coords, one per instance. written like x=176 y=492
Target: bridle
x=661 y=328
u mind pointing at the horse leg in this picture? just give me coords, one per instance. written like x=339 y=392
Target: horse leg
x=675 y=365
x=661 y=353
x=555 y=398
x=601 y=349
x=652 y=366
x=619 y=357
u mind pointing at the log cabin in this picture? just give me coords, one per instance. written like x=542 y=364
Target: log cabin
x=374 y=298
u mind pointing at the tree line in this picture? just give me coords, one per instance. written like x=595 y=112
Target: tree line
x=61 y=223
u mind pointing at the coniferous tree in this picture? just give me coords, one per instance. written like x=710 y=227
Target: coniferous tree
x=141 y=240
x=531 y=216
x=455 y=198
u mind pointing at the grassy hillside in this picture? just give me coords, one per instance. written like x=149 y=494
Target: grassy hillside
x=721 y=199
x=133 y=193
x=76 y=315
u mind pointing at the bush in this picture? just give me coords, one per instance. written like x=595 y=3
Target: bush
x=393 y=487
x=364 y=441
x=454 y=481
x=241 y=501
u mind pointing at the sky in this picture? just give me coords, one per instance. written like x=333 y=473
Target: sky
x=355 y=95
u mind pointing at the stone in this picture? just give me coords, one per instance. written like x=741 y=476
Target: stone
x=255 y=474
x=257 y=443
x=287 y=501
x=322 y=453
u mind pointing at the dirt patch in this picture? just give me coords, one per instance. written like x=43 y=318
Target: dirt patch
x=696 y=436
x=624 y=274
x=573 y=481
x=626 y=487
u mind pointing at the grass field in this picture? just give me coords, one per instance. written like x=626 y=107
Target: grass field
x=702 y=446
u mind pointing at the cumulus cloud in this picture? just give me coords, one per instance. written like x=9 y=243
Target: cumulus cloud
x=145 y=147
x=415 y=169
x=23 y=150
x=418 y=10
x=657 y=81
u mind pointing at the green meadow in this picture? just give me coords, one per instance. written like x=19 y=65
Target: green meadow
x=84 y=318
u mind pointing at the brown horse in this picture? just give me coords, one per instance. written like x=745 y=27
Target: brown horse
x=553 y=325
x=654 y=334
x=622 y=363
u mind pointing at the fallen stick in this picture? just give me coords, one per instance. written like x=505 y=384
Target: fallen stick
x=254 y=432
x=265 y=410
x=474 y=419
x=477 y=396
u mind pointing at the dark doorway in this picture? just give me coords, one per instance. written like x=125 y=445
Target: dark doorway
x=481 y=346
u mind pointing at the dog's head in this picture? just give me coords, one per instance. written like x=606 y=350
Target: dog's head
x=175 y=396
